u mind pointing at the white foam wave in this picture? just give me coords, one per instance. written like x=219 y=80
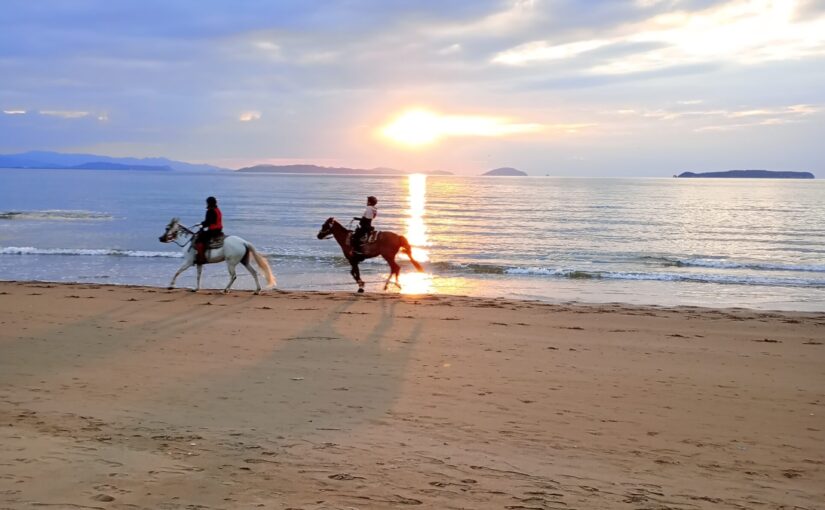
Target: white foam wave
x=28 y=250
x=55 y=215
x=673 y=277
x=721 y=263
x=725 y=264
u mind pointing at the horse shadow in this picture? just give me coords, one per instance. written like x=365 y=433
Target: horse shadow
x=346 y=369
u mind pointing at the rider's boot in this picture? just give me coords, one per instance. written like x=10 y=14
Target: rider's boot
x=200 y=255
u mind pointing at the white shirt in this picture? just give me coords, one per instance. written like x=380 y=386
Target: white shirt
x=370 y=212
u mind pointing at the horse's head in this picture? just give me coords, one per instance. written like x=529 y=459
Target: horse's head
x=326 y=228
x=171 y=232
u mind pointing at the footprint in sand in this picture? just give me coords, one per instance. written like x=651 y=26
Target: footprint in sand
x=345 y=476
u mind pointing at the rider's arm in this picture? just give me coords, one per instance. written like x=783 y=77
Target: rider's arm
x=211 y=218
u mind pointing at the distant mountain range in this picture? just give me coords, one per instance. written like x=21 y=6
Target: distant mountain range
x=328 y=170
x=61 y=161
x=748 y=174
x=66 y=161
x=505 y=172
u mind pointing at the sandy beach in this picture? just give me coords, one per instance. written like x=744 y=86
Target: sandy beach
x=129 y=397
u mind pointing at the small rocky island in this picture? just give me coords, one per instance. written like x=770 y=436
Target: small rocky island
x=506 y=172
x=748 y=174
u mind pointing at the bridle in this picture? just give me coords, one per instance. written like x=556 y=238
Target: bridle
x=172 y=234
x=326 y=229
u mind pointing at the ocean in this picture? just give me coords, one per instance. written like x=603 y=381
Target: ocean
x=718 y=243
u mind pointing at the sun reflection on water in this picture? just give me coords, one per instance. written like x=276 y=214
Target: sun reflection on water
x=413 y=282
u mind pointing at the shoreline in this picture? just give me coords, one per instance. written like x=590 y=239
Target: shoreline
x=323 y=289
x=139 y=397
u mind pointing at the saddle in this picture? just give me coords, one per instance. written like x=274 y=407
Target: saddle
x=216 y=242
x=213 y=244
x=366 y=240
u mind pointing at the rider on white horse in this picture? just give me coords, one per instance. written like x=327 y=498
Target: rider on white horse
x=211 y=228
x=234 y=251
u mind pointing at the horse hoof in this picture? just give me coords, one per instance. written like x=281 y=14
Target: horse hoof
x=193 y=290
x=170 y=288
x=360 y=290
x=257 y=293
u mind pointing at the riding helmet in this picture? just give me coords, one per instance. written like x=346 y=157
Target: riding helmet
x=212 y=202
x=372 y=200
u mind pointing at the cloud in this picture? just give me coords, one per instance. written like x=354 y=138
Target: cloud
x=64 y=114
x=725 y=119
x=737 y=31
x=732 y=127
x=450 y=50
x=14 y=112
x=540 y=50
x=249 y=116
x=513 y=18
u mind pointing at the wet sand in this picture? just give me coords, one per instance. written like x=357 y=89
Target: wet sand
x=128 y=397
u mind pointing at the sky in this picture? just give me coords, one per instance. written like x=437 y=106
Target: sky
x=558 y=87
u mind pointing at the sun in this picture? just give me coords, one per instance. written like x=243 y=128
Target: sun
x=414 y=128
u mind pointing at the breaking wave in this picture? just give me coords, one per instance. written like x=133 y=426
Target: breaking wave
x=669 y=277
x=28 y=250
x=480 y=269
x=55 y=215
x=578 y=274
x=727 y=264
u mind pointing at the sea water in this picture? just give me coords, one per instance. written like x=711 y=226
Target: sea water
x=702 y=242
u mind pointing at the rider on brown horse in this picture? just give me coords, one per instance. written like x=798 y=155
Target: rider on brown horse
x=364 y=225
x=211 y=227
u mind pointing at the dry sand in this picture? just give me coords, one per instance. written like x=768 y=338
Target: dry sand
x=125 y=397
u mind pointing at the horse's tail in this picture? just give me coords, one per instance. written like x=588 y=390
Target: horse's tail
x=263 y=264
x=405 y=245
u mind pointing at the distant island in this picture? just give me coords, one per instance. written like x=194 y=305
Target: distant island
x=328 y=170
x=748 y=174
x=66 y=161
x=506 y=172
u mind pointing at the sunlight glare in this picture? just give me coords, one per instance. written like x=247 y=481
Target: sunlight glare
x=416 y=128
x=412 y=282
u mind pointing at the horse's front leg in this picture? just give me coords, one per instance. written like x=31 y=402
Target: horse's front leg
x=186 y=265
x=356 y=274
x=198 y=281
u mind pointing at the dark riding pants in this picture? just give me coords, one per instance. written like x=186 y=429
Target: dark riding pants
x=364 y=228
x=202 y=242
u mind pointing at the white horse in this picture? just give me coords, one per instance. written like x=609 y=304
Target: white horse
x=235 y=250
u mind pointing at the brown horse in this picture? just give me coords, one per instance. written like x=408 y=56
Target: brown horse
x=387 y=244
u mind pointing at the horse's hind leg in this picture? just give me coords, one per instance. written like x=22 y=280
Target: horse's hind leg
x=233 y=275
x=254 y=274
x=395 y=269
